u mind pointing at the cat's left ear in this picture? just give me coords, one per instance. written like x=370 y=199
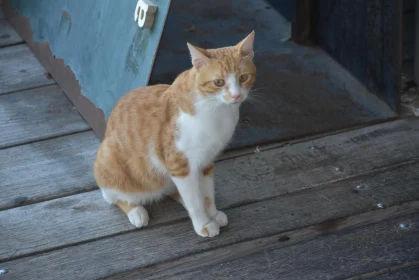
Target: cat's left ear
x=245 y=47
x=198 y=57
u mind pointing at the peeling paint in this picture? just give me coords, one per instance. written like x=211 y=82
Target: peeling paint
x=136 y=51
x=100 y=41
x=66 y=22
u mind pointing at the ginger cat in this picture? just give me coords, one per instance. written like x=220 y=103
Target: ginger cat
x=162 y=140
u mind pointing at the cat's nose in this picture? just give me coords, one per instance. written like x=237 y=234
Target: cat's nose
x=236 y=98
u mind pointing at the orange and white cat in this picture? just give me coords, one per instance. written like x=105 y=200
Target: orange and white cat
x=163 y=139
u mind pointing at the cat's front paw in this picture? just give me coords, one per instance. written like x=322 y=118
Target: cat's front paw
x=221 y=218
x=211 y=229
x=138 y=216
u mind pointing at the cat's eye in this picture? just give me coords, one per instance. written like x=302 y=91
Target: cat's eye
x=219 y=82
x=243 y=78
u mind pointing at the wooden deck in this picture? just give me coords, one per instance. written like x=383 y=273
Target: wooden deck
x=337 y=206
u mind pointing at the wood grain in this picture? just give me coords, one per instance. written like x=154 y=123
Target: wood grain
x=20 y=70
x=37 y=114
x=409 y=6
x=8 y=35
x=409 y=27
x=291 y=168
x=408 y=52
x=47 y=169
x=241 y=180
x=157 y=244
x=407 y=273
x=408 y=71
x=337 y=256
x=276 y=241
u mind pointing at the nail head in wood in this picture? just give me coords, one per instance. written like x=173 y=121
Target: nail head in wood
x=404 y=225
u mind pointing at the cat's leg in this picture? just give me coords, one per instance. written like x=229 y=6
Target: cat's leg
x=208 y=189
x=193 y=200
x=137 y=215
x=176 y=196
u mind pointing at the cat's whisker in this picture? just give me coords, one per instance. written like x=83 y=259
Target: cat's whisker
x=261 y=100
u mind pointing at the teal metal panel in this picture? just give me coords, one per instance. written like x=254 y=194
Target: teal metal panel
x=100 y=41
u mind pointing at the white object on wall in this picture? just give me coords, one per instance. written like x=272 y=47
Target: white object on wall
x=145 y=13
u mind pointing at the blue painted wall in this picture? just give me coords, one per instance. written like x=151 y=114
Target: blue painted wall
x=99 y=39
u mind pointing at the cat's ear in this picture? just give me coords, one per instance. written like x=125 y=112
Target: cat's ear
x=245 y=47
x=197 y=56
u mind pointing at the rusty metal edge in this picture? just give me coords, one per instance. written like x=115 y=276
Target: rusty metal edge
x=61 y=73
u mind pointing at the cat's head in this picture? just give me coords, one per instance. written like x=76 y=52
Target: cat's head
x=226 y=74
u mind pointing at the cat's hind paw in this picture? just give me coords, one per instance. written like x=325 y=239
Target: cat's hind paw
x=221 y=219
x=138 y=216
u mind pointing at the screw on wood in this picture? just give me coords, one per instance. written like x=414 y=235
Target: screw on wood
x=3 y=271
x=404 y=225
x=338 y=169
x=380 y=205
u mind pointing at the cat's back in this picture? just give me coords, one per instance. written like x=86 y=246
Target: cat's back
x=136 y=107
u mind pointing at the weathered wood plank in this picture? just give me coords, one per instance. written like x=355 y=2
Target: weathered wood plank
x=407 y=71
x=20 y=70
x=156 y=244
x=276 y=241
x=416 y=42
x=407 y=270
x=409 y=27
x=244 y=179
x=291 y=168
x=408 y=52
x=37 y=114
x=47 y=169
x=408 y=273
x=8 y=35
x=409 y=6
x=336 y=256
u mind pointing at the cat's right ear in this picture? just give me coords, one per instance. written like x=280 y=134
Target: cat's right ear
x=198 y=58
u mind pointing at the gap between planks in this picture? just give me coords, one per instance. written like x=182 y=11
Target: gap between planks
x=21 y=70
x=306 y=253
x=346 y=150
x=388 y=271
x=37 y=115
x=164 y=214
x=292 y=180
x=280 y=215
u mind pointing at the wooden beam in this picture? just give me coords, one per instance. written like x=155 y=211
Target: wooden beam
x=302 y=27
x=416 y=59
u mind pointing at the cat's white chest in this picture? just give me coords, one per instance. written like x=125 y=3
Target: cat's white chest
x=203 y=135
